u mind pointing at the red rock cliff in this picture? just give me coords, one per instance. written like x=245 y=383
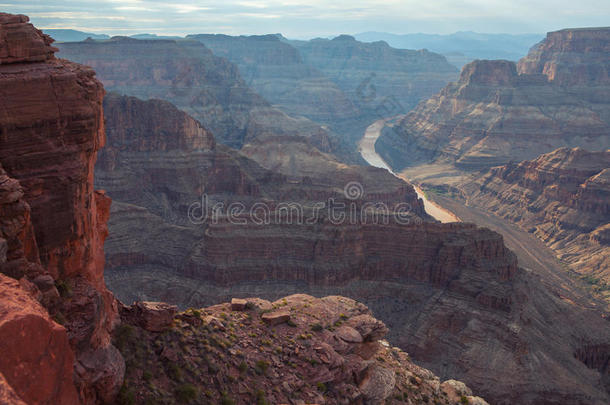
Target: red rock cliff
x=51 y=127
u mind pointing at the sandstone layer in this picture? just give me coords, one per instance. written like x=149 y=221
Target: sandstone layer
x=498 y=112
x=453 y=294
x=326 y=350
x=562 y=197
x=53 y=221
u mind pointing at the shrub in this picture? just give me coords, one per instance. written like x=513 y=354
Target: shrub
x=185 y=393
x=317 y=327
x=260 y=398
x=261 y=366
x=243 y=367
x=321 y=387
x=464 y=400
x=122 y=335
x=174 y=372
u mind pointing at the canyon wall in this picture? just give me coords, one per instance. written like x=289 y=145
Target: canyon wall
x=380 y=80
x=54 y=222
x=276 y=70
x=207 y=87
x=497 y=112
x=562 y=197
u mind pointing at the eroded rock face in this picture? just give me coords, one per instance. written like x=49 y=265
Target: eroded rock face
x=37 y=362
x=377 y=78
x=53 y=221
x=187 y=74
x=305 y=361
x=563 y=197
x=151 y=316
x=572 y=57
x=496 y=113
x=20 y=42
x=276 y=70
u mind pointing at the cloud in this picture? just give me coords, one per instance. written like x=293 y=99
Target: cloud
x=312 y=18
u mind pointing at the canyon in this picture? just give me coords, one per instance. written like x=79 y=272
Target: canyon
x=190 y=76
x=216 y=199
x=59 y=323
x=551 y=110
x=433 y=284
x=499 y=111
x=562 y=197
x=380 y=80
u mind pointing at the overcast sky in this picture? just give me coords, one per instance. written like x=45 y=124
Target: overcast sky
x=311 y=18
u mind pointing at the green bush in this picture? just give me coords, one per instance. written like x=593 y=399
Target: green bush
x=185 y=393
x=464 y=400
x=317 y=327
x=261 y=366
x=260 y=398
x=321 y=387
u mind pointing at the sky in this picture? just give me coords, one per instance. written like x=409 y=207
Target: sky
x=311 y=18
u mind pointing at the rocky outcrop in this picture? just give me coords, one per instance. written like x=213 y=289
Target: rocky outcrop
x=380 y=80
x=562 y=197
x=276 y=70
x=34 y=348
x=496 y=112
x=20 y=42
x=187 y=74
x=247 y=361
x=151 y=316
x=53 y=221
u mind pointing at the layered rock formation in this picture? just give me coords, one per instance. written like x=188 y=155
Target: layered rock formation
x=326 y=350
x=453 y=294
x=380 y=80
x=53 y=222
x=493 y=115
x=572 y=57
x=562 y=197
x=276 y=70
x=186 y=73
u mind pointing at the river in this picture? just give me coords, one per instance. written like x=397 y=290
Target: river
x=366 y=148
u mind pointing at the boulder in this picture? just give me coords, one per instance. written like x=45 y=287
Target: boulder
x=275 y=318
